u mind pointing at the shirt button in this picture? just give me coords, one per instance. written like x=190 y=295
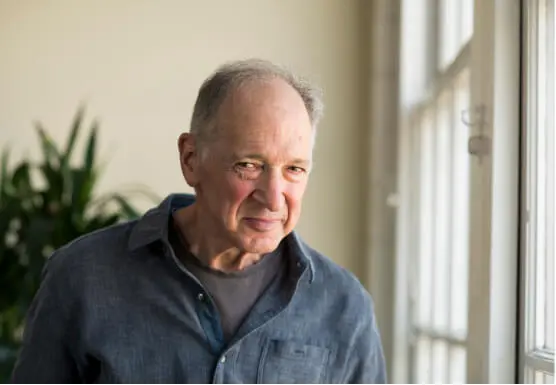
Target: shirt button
x=201 y=297
x=223 y=359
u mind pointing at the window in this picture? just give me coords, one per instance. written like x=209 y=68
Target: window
x=439 y=316
x=538 y=195
x=437 y=194
x=458 y=183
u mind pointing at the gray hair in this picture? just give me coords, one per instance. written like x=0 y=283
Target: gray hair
x=229 y=77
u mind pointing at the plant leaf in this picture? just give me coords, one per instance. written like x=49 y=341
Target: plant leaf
x=75 y=128
x=4 y=175
x=21 y=180
x=82 y=194
x=50 y=152
x=134 y=189
x=101 y=221
x=88 y=162
x=54 y=184
x=127 y=209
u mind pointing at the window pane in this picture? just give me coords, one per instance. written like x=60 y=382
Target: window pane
x=467 y=20
x=544 y=189
x=425 y=265
x=543 y=378
x=449 y=20
x=422 y=361
x=439 y=362
x=458 y=365
x=460 y=213
x=456 y=28
x=441 y=224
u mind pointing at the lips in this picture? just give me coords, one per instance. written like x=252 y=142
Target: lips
x=262 y=224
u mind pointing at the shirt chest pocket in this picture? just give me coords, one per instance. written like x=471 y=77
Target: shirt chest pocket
x=292 y=363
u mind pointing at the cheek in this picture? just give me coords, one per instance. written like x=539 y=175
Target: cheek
x=294 y=197
x=237 y=192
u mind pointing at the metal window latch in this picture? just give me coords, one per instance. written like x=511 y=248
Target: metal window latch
x=479 y=145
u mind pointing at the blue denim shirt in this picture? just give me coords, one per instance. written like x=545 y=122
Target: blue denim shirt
x=118 y=306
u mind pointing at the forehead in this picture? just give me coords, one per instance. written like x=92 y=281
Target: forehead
x=267 y=117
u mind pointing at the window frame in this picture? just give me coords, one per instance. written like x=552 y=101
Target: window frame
x=530 y=357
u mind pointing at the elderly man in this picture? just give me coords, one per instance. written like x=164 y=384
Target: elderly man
x=216 y=287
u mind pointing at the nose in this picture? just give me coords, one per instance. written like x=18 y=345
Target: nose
x=270 y=190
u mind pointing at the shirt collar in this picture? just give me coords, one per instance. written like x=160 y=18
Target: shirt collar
x=153 y=226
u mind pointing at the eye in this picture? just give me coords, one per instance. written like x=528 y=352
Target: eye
x=296 y=170
x=248 y=170
x=247 y=166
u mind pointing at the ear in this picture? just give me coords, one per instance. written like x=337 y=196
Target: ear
x=189 y=158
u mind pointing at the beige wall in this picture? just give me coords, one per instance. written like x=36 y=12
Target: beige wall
x=137 y=64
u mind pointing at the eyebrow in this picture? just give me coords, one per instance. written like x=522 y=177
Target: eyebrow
x=297 y=161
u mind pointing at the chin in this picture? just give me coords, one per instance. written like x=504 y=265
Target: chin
x=260 y=244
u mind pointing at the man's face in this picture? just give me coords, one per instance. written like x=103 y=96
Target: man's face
x=252 y=181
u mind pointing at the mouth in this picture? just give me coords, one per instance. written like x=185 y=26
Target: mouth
x=262 y=224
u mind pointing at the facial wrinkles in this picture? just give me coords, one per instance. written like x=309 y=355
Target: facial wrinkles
x=281 y=145
x=269 y=130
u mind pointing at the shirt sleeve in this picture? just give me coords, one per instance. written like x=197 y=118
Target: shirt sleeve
x=367 y=364
x=45 y=356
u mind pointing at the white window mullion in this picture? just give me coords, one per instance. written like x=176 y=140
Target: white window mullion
x=460 y=213
x=451 y=145
x=494 y=193
x=539 y=362
x=415 y=180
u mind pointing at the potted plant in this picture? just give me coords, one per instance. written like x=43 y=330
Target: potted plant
x=44 y=205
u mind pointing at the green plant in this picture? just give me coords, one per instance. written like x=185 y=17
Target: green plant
x=44 y=205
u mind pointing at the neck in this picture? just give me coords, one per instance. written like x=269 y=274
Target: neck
x=208 y=248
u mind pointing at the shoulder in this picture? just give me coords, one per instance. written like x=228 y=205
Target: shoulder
x=80 y=269
x=93 y=249
x=339 y=283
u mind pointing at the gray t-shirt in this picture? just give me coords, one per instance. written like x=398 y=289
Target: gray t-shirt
x=234 y=293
